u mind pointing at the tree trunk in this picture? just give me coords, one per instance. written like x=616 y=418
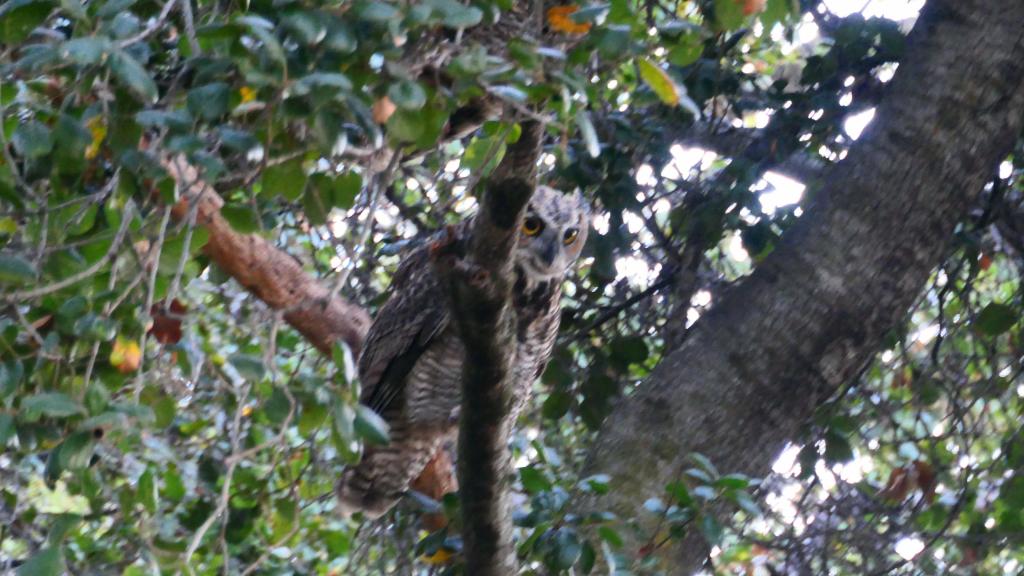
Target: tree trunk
x=814 y=312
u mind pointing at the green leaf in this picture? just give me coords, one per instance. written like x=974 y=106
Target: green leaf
x=47 y=562
x=613 y=42
x=287 y=180
x=73 y=453
x=706 y=493
x=262 y=30
x=19 y=17
x=174 y=487
x=588 y=133
x=779 y=11
x=995 y=319
x=74 y=8
x=481 y=150
x=370 y=426
x=346 y=188
x=249 y=367
x=112 y=8
x=406 y=125
x=241 y=217
x=610 y=535
x=277 y=406
x=32 y=139
x=146 y=492
x=378 y=12
x=733 y=481
x=654 y=505
x=510 y=93
x=567 y=549
x=315 y=204
x=307 y=27
x=628 y=350
x=209 y=102
x=62 y=525
x=176 y=119
x=704 y=463
x=11 y=373
x=686 y=51
x=6 y=428
x=712 y=529
x=837 y=448
x=588 y=558
x=53 y=404
x=134 y=76
x=332 y=81
x=237 y=140
x=680 y=493
x=407 y=95
x=533 y=480
x=456 y=14
x=747 y=503
x=339 y=38
x=87 y=51
x=556 y=405
x=729 y=14
x=659 y=81
x=15 y=270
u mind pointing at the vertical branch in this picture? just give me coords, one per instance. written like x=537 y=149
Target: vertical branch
x=479 y=286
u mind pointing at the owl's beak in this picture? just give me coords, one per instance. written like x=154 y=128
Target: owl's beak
x=549 y=251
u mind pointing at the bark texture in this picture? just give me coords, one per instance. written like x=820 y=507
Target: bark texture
x=270 y=274
x=813 y=313
x=480 y=296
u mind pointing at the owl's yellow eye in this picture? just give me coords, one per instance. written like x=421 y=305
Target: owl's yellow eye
x=531 y=226
x=570 y=236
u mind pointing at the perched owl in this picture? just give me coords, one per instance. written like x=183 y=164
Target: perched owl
x=411 y=363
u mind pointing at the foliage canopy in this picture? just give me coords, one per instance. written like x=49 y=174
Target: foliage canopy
x=157 y=418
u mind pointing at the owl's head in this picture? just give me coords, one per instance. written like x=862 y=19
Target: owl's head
x=552 y=233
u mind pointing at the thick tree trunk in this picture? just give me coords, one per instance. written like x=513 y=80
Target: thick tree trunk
x=813 y=313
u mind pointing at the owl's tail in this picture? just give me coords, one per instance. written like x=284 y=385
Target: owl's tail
x=380 y=479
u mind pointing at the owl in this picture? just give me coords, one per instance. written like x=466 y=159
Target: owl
x=411 y=364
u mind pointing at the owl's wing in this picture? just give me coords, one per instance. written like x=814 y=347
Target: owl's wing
x=413 y=315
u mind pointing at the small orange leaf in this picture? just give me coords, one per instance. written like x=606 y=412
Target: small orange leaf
x=925 y=480
x=753 y=6
x=442 y=556
x=898 y=486
x=383 y=108
x=126 y=355
x=247 y=94
x=166 y=326
x=560 y=19
x=99 y=133
x=985 y=262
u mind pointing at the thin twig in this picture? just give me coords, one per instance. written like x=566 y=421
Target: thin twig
x=23 y=295
x=153 y=26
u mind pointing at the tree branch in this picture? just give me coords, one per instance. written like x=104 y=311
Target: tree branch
x=815 y=311
x=479 y=286
x=270 y=274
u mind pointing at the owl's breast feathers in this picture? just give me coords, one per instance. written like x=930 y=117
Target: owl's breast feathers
x=411 y=372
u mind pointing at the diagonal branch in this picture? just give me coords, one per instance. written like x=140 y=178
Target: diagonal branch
x=479 y=286
x=270 y=274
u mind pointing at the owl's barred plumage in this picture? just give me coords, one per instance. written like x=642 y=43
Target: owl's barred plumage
x=411 y=364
